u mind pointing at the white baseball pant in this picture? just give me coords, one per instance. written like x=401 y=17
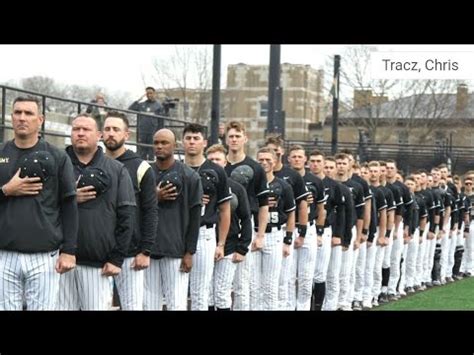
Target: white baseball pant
x=346 y=270
x=28 y=276
x=221 y=284
x=332 y=281
x=130 y=286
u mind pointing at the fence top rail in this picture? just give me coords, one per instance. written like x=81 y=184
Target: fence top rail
x=85 y=103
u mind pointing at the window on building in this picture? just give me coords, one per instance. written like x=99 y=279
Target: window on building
x=403 y=137
x=263 y=108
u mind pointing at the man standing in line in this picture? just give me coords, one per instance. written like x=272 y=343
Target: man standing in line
x=38 y=214
x=179 y=193
x=106 y=214
x=130 y=281
x=215 y=216
x=257 y=190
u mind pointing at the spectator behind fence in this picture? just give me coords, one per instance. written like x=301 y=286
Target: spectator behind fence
x=98 y=112
x=147 y=125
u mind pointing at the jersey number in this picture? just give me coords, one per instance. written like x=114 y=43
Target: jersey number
x=273 y=217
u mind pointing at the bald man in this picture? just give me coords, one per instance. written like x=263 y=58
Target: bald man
x=179 y=194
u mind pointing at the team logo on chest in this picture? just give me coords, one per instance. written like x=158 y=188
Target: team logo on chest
x=4 y=160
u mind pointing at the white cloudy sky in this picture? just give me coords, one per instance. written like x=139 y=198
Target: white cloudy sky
x=120 y=67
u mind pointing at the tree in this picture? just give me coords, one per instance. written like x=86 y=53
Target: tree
x=187 y=73
x=421 y=104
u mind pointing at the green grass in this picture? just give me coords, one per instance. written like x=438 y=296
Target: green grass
x=455 y=296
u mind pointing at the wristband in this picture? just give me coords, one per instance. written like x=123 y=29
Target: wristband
x=364 y=231
x=289 y=238
x=466 y=230
x=421 y=232
x=302 y=230
x=387 y=233
x=320 y=231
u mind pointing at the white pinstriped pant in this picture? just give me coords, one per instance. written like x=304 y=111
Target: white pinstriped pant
x=359 y=278
x=369 y=270
x=163 y=279
x=85 y=288
x=302 y=268
x=467 y=257
x=332 y=282
x=323 y=256
x=380 y=253
x=130 y=286
x=203 y=268
x=29 y=276
x=346 y=270
x=221 y=284
x=241 y=284
x=395 y=257
x=452 y=250
x=420 y=257
x=266 y=266
x=411 y=256
x=284 y=279
x=352 y=276
x=445 y=248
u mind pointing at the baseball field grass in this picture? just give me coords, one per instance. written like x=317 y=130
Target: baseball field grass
x=454 y=296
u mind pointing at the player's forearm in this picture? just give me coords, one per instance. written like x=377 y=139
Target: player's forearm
x=262 y=220
x=367 y=213
x=382 y=222
x=390 y=219
x=224 y=222
x=70 y=225
x=322 y=214
x=303 y=212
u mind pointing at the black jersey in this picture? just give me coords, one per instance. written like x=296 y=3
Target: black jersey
x=144 y=186
x=34 y=224
x=175 y=234
x=257 y=189
x=379 y=204
x=214 y=185
x=283 y=194
x=106 y=222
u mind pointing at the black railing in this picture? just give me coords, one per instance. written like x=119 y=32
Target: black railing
x=6 y=91
x=409 y=157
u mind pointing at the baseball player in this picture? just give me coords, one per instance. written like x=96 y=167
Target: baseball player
x=38 y=214
x=239 y=237
x=179 y=193
x=130 y=281
x=341 y=238
x=106 y=216
x=267 y=260
x=257 y=191
x=353 y=235
x=286 y=293
x=216 y=210
x=333 y=224
x=305 y=250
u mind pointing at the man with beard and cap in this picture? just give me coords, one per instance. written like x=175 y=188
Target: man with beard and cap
x=106 y=216
x=179 y=192
x=130 y=281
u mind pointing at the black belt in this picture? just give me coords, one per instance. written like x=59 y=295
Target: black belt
x=208 y=226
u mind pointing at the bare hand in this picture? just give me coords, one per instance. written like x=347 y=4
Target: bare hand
x=140 y=262
x=219 y=254
x=238 y=258
x=430 y=236
x=286 y=250
x=356 y=244
x=299 y=241
x=205 y=199
x=110 y=269
x=186 y=263
x=335 y=241
x=272 y=202
x=85 y=194
x=310 y=199
x=319 y=241
x=26 y=186
x=257 y=244
x=166 y=193
x=65 y=263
